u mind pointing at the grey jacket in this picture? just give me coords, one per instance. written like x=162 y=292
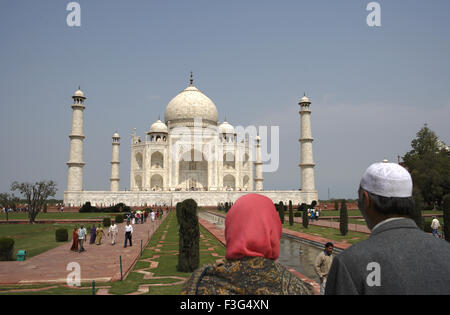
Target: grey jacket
x=397 y=258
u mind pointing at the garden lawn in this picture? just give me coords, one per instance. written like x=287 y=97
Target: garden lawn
x=328 y=233
x=57 y=216
x=35 y=238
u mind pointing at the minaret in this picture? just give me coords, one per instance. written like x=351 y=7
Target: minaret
x=76 y=164
x=306 y=153
x=115 y=163
x=258 y=166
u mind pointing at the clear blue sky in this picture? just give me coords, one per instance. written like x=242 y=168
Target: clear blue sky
x=372 y=88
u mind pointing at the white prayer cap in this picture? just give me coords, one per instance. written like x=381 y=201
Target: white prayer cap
x=387 y=180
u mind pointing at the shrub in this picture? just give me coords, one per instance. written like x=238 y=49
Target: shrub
x=189 y=236
x=291 y=214
x=298 y=214
x=305 y=218
x=119 y=219
x=343 y=219
x=61 y=235
x=416 y=214
x=336 y=205
x=6 y=248
x=281 y=211
x=106 y=222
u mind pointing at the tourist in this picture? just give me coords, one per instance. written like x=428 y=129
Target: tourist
x=138 y=217
x=317 y=215
x=98 y=238
x=252 y=233
x=322 y=265
x=128 y=234
x=112 y=232
x=435 y=225
x=153 y=216
x=75 y=239
x=398 y=257
x=81 y=236
x=93 y=234
x=312 y=213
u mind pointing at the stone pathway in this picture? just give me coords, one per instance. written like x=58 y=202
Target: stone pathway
x=99 y=262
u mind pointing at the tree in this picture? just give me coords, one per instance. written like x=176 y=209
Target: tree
x=417 y=210
x=189 y=236
x=35 y=195
x=446 y=207
x=291 y=214
x=343 y=218
x=8 y=201
x=305 y=218
x=281 y=211
x=429 y=165
x=336 y=205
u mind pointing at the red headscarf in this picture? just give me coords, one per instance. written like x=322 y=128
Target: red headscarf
x=253 y=228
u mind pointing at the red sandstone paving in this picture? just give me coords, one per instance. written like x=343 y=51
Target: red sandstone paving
x=98 y=262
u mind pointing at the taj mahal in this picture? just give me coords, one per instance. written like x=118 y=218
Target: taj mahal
x=189 y=155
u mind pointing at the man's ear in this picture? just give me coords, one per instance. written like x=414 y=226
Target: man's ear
x=367 y=200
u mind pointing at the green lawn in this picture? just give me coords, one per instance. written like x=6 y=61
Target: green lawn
x=35 y=238
x=57 y=215
x=328 y=233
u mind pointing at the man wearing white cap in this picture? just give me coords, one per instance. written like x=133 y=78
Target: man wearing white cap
x=397 y=258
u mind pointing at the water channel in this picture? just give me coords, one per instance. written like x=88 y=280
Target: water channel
x=294 y=253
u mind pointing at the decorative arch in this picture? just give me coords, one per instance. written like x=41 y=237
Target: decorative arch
x=229 y=182
x=138 y=182
x=229 y=161
x=246 y=182
x=157 y=160
x=156 y=182
x=139 y=160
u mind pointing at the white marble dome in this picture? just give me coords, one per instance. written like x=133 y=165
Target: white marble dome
x=226 y=128
x=191 y=103
x=116 y=135
x=158 y=127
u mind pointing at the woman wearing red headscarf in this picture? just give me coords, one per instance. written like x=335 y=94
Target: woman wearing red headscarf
x=252 y=233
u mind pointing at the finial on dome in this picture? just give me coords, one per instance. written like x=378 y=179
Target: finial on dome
x=192 y=79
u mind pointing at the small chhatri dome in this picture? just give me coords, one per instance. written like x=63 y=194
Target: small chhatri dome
x=226 y=128
x=78 y=93
x=116 y=135
x=304 y=99
x=158 y=127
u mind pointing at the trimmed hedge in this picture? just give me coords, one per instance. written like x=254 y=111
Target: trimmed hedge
x=119 y=218
x=120 y=207
x=106 y=222
x=61 y=235
x=189 y=236
x=6 y=248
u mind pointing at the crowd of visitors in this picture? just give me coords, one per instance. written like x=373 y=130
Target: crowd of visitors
x=79 y=234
